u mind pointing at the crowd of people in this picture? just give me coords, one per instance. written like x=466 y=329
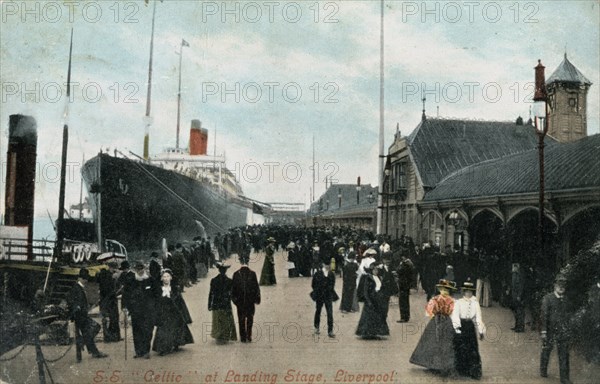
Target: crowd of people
x=151 y=300
x=372 y=270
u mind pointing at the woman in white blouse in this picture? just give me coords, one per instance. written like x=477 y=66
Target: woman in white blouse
x=467 y=323
x=172 y=330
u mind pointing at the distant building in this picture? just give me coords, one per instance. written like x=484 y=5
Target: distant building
x=287 y=213
x=345 y=205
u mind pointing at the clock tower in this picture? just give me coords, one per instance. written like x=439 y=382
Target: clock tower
x=567 y=102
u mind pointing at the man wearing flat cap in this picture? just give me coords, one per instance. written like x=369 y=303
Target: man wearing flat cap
x=555 y=329
x=78 y=305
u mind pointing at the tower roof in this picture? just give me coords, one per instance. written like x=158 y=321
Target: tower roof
x=567 y=73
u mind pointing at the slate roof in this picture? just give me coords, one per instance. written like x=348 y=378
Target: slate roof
x=348 y=192
x=567 y=166
x=567 y=73
x=442 y=146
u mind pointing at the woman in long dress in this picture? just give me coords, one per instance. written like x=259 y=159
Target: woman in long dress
x=349 y=303
x=435 y=349
x=373 y=319
x=467 y=322
x=267 y=275
x=219 y=302
x=172 y=320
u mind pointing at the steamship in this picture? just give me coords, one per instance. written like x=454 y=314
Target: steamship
x=177 y=195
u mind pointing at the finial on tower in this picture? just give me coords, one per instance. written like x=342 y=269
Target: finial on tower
x=423 y=116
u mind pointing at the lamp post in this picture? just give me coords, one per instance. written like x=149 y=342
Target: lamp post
x=454 y=219
x=386 y=172
x=540 y=111
x=339 y=198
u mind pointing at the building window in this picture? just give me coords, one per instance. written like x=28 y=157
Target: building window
x=399 y=176
x=573 y=103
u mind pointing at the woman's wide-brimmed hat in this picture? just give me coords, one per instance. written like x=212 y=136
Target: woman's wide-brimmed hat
x=443 y=283
x=166 y=270
x=468 y=285
x=271 y=239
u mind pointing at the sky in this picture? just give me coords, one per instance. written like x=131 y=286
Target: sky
x=268 y=76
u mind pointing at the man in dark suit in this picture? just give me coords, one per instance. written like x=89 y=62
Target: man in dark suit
x=142 y=307
x=78 y=308
x=109 y=303
x=245 y=294
x=555 y=329
x=124 y=283
x=154 y=266
x=405 y=281
x=516 y=293
x=323 y=284
x=389 y=287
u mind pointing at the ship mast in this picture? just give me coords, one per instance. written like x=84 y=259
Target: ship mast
x=183 y=44
x=81 y=192
x=63 y=165
x=148 y=118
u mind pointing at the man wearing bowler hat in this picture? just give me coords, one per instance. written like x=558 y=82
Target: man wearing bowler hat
x=78 y=308
x=555 y=329
x=245 y=294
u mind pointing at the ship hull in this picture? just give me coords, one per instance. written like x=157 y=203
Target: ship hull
x=140 y=204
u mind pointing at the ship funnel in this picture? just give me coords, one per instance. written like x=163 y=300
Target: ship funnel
x=20 y=172
x=198 y=138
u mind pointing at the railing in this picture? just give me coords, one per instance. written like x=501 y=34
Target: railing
x=20 y=249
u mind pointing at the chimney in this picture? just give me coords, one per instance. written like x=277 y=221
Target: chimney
x=198 y=138
x=20 y=172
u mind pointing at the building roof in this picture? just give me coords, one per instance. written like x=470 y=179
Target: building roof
x=567 y=73
x=348 y=192
x=567 y=166
x=442 y=146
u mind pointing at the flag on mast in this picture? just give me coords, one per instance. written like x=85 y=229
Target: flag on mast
x=184 y=43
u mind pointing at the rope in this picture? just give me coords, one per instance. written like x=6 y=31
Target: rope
x=16 y=354
x=61 y=356
x=155 y=179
